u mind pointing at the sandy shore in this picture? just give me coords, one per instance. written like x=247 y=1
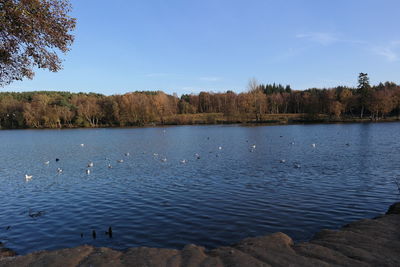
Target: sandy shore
x=368 y=242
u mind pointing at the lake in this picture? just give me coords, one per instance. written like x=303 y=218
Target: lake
x=207 y=185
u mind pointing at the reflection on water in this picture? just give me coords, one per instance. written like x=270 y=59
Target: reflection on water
x=208 y=185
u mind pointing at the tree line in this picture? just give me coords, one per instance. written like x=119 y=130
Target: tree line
x=48 y=109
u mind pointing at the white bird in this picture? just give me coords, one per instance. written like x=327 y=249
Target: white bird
x=253 y=146
x=59 y=170
x=28 y=177
x=90 y=164
x=164 y=159
x=47 y=162
x=87 y=171
x=183 y=161
x=220 y=147
x=120 y=160
x=197 y=156
x=155 y=154
x=282 y=161
x=82 y=145
x=313 y=145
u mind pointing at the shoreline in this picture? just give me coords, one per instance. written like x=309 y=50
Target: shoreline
x=364 y=242
x=299 y=120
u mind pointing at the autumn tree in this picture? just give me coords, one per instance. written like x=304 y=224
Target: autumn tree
x=36 y=112
x=163 y=106
x=245 y=106
x=110 y=107
x=230 y=105
x=381 y=103
x=346 y=98
x=204 y=102
x=136 y=109
x=10 y=112
x=258 y=100
x=32 y=34
x=275 y=102
x=88 y=108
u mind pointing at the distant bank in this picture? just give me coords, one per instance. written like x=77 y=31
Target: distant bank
x=221 y=119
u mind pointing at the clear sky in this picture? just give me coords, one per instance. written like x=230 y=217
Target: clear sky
x=188 y=46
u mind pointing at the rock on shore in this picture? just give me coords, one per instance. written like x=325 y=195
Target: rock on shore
x=368 y=242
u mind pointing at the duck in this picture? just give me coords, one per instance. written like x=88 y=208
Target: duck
x=297 y=166
x=183 y=161
x=282 y=161
x=28 y=177
x=253 y=146
x=109 y=166
x=36 y=214
x=59 y=170
x=164 y=159
x=127 y=154
x=87 y=171
x=46 y=162
x=82 y=145
x=90 y=164
x=313 y=145
x=120 y=160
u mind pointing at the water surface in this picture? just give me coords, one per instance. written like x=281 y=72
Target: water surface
x=218 y=197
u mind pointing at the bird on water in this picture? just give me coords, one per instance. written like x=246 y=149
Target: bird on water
x=109 y=232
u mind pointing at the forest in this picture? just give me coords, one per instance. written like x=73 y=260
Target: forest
x=262 y=103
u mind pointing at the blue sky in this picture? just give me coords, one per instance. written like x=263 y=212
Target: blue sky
x=188 y=46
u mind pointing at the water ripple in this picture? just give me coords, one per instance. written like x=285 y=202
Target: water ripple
x=225 y=195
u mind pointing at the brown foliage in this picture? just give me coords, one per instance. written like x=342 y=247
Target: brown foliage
x=31 y=34
x=63 y=109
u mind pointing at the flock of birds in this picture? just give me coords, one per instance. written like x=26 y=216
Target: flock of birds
x=156 y=156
